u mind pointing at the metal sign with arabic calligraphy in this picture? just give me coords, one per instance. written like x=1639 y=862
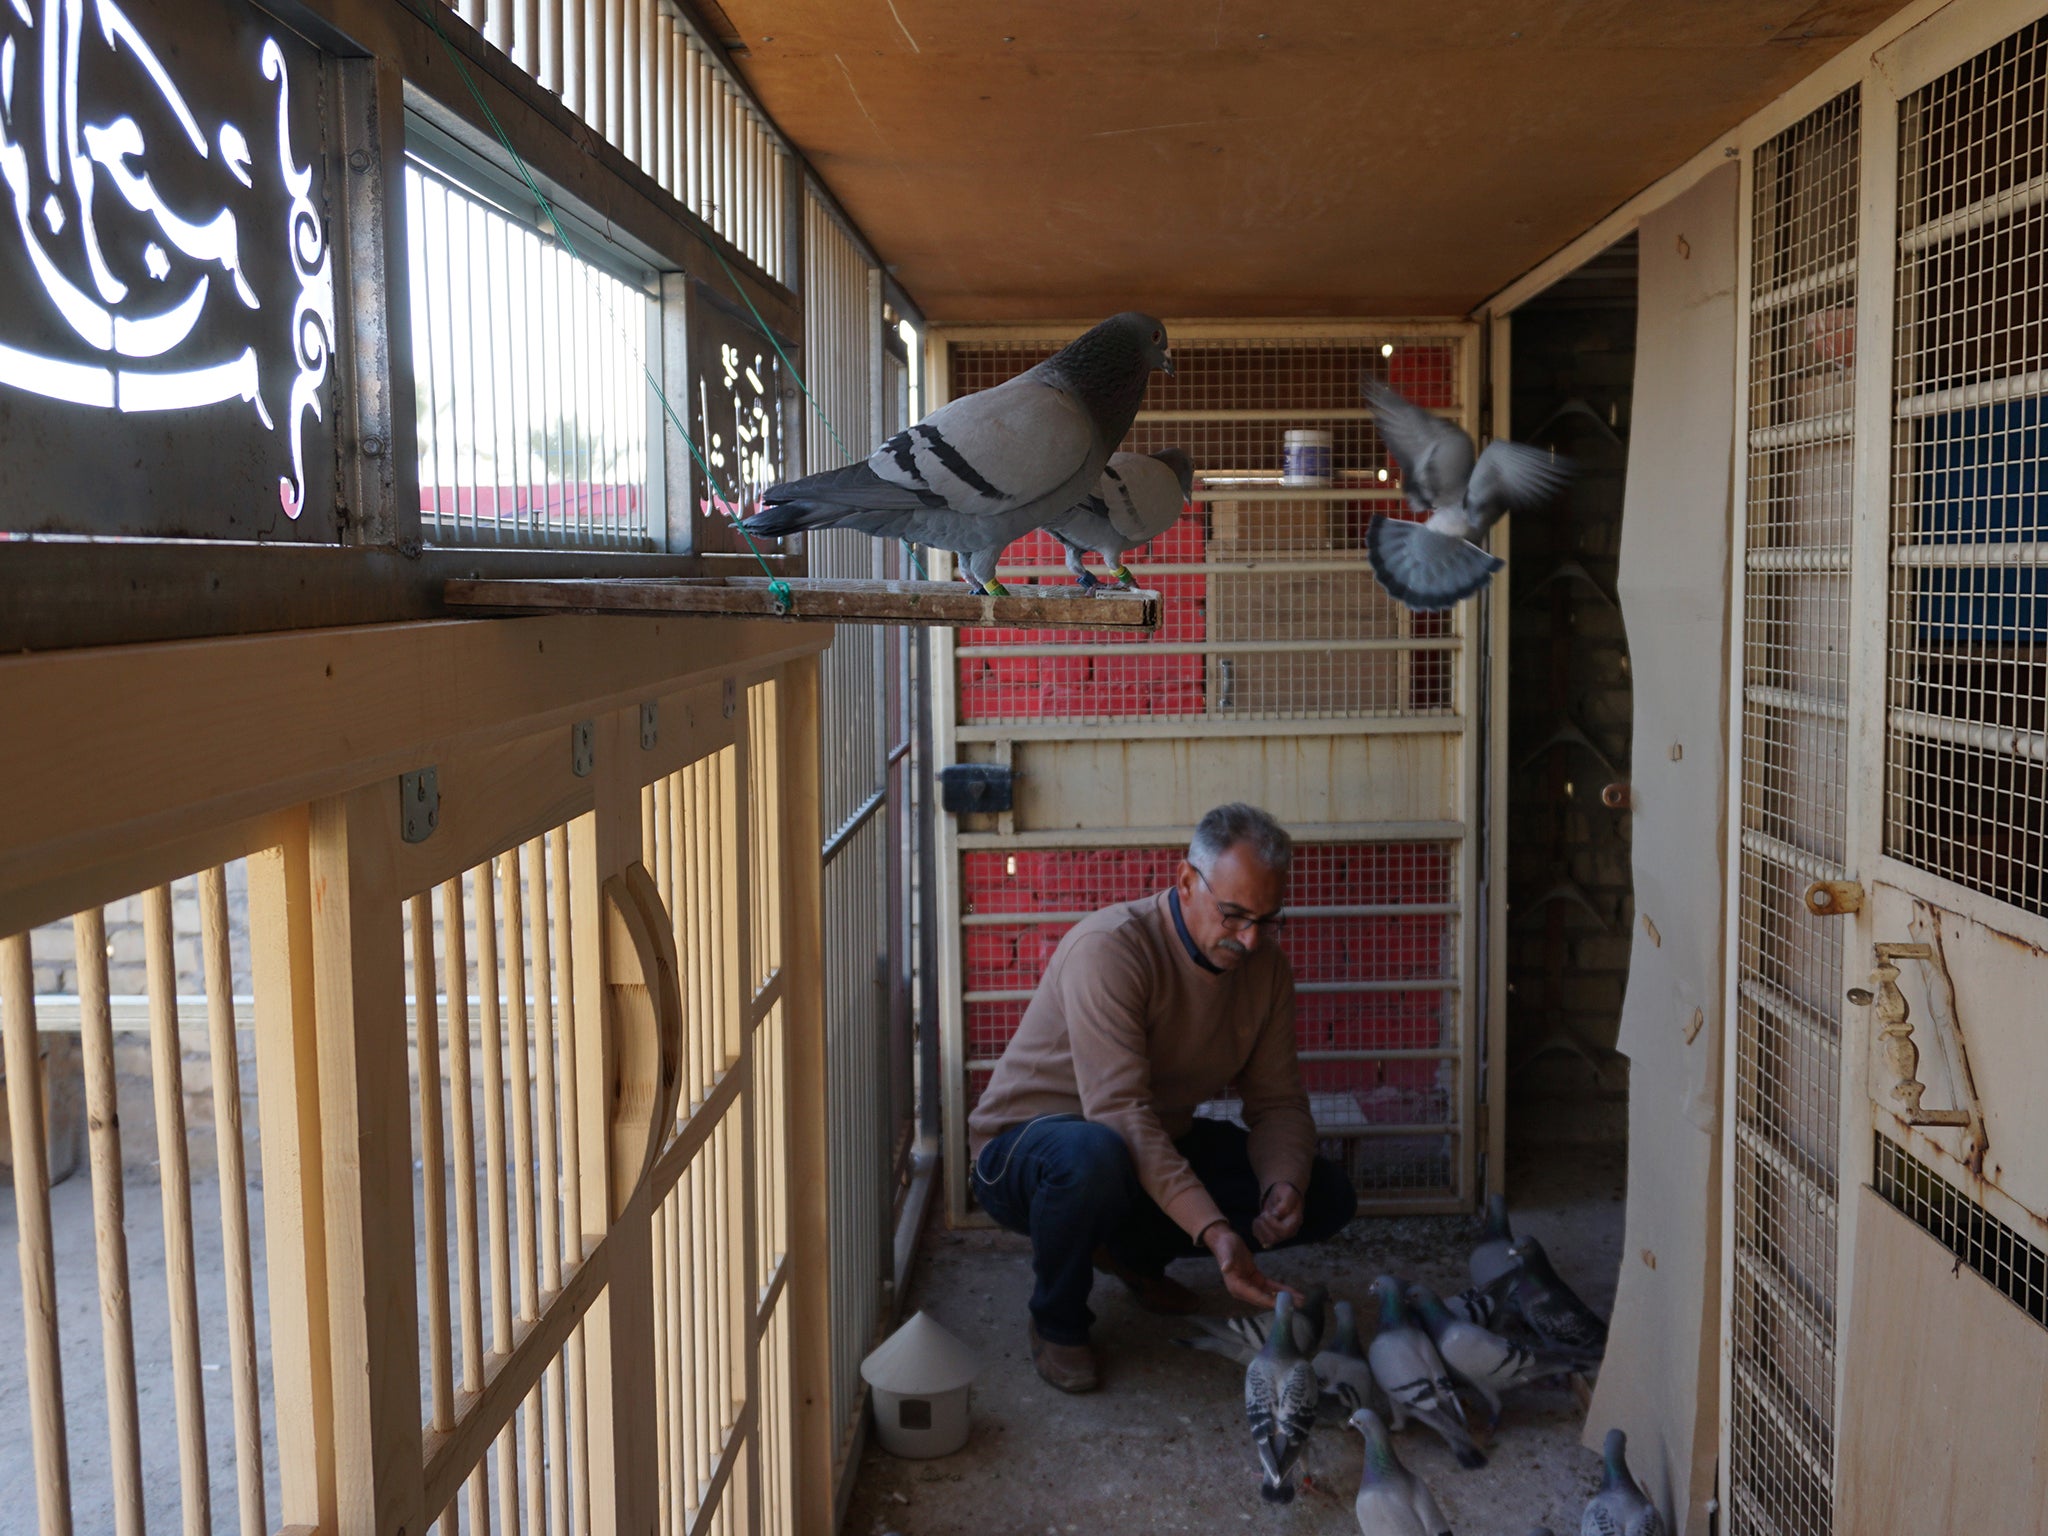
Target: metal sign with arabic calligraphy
x=167 y=287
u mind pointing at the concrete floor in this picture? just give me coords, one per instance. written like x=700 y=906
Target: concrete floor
x=1163 y=1447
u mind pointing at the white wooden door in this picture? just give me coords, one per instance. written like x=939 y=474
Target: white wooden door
x=1946 y=1071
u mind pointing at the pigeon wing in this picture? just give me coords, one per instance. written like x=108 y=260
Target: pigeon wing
x=992 y=452
x=1513 y=477
x=1142 y=496
x=1435 y=455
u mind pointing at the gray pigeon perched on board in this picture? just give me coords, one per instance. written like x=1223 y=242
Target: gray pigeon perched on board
x=1434 y=564
x=1620 y=1508
x=1139 y=497
x=1280 y=1395
x=1409 y=1370
x=986 y=469
x=1551 y=1308
x=1341 y=1365
x=1392 y=1501
x=1482 y=1359
x=1240 y=1338
x=1490 y=1258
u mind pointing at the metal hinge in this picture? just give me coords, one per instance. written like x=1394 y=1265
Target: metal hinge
x=419 y=804
x=650 y=726
x=582 y=748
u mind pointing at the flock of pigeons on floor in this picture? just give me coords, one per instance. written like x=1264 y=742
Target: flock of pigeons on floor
x=1040 y=451
x=1517 y=1323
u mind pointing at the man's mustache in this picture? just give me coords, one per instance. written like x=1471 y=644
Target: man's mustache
x=1232 y=947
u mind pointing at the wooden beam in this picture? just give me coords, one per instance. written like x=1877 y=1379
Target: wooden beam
x=812 y=1431
x=816 y=599
x=366 y=1145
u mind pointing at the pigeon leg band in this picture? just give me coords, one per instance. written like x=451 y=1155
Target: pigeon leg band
x=1124 y=577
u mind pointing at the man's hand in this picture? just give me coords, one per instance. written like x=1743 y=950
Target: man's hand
x=1280 y=1217
x=1241 y=1275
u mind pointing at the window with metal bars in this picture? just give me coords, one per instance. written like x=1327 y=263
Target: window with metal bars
x=1966 y=793
x=530 y=368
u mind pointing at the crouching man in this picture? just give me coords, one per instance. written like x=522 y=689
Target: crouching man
x=1086 y=1139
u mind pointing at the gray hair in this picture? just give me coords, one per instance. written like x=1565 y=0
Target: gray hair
x=1228 y=825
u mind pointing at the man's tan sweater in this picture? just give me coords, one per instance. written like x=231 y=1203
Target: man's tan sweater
x=1126 y=1029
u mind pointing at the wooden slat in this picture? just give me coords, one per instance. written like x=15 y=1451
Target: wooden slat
x=819 y=599
x=110 y=1238
x=433 y=1165
x=175 y=1183
x=489 y=983
x=34 y=1238
x=234 y=1197
x=462 y=1146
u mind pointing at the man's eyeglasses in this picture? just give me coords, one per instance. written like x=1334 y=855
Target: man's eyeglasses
x=1235 y=918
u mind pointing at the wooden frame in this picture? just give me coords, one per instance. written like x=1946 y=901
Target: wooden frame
x=331 y=878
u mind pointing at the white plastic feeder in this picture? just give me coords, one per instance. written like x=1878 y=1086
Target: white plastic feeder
x=920 y=1375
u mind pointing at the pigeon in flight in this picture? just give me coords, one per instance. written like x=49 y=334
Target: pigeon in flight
x=1392 y=1501
x=1139 y=497
x=986 y=469
x=1409 y=1370
x=1490 y=1259
x=1280 y=1395
x=1241 y=1338
x=1432 y=565
x=1341 y=1365
x=1620 y=1508
x=1483 y=1360
x=1551 y=1308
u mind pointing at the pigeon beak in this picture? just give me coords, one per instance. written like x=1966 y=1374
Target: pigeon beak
x=1166 y=362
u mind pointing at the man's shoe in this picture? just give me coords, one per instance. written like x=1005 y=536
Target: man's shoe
x=1155 y=1293
x=1070 y=1367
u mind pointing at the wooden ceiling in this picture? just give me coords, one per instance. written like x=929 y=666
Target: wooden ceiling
x=1062 y=159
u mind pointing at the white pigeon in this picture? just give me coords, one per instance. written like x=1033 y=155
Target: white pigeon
x=1341 y=1365
x=1240 y=1338
x=987 y=468
x=1409 y=1370
x=1392 y=1501
x=1620 y=1508
x=1139 y=497
x=1481 y=1358
x=1279 y=1404
x=1432 y=565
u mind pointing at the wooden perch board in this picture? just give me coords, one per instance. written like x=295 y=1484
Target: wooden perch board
x=815 y=599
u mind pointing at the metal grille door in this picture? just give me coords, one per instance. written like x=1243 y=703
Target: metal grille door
x=1281 y=674
x=1795 y=691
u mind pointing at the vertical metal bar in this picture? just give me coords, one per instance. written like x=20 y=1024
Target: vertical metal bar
x=218 y=965
x=34 y=1237
x=167 y=1076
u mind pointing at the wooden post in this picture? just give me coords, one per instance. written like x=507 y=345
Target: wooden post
x=809 y=1294
x=624 y=1489
x=294 y=1205
x=366 y=1141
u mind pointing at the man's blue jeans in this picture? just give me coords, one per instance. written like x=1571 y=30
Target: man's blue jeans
x=1070 y=1186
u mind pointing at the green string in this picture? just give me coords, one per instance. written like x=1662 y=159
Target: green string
x=816 y=404
x=779 y=592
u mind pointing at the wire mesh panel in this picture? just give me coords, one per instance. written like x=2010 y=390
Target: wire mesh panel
x=1795 y=639
x=1273 y=626
x=1966 y=792
x=529 y=369
x=1271 y=612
